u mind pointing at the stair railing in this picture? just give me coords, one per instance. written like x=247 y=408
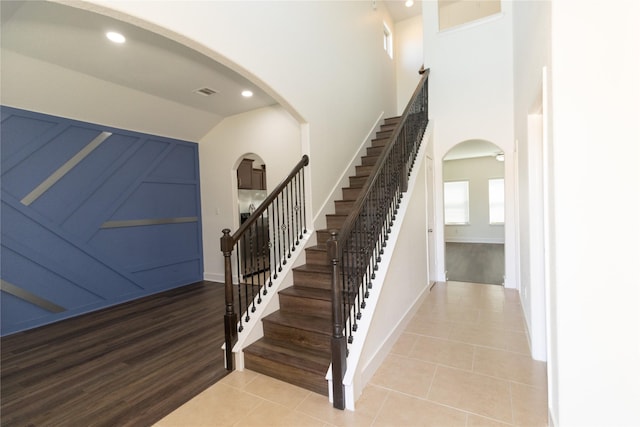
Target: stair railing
x=356 y=249
x=260 y=248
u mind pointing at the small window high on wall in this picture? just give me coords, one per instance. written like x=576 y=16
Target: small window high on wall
x=387 y=40
x=452 y=13
x=456 y=202
x=496 y=201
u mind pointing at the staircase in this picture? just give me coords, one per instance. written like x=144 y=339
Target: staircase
x=296 y=346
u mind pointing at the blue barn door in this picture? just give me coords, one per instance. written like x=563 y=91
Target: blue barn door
x=91 y=216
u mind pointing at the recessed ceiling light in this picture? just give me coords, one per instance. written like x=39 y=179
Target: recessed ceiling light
x=409 y=3
x=247 y=93
x=116 y=37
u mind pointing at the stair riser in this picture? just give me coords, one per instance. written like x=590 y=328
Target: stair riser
x=357 y=181
x=323 y=235
x=363 y=170
x=379 y=142
x=388 y=127
x=350 y=193
x=343 y=207
x=335 y=221
x=286 y=334
x=392 y=120
x=292 y=375
x=384 y=134
x=316 y=257
x=301 y=305
x=375 y=151
x=369 y=160
x=312 y=279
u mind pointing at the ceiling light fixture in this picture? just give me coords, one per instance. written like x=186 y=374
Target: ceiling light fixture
x=247 y=93
x=116 y=37
x=500 y=157
x=409 y=3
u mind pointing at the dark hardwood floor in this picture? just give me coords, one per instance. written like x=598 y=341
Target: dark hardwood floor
x=123 y=366
x=475 y=262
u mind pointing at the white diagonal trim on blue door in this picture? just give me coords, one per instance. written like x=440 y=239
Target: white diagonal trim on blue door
x=30 y=297
x=64 y=169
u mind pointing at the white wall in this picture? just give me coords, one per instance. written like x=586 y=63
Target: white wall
x=409 y=59
x=35 y=85
x=595 y=178
x=471 y=97
x=323 y=60
x=477 y=171
x=273 y=135
x=532 y=53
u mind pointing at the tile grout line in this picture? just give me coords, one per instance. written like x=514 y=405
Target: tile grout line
x=513 y=420
x=380 y=409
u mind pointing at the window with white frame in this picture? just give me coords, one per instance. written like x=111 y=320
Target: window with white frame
x=496 y=201
x=456 y=202
x=387 y=40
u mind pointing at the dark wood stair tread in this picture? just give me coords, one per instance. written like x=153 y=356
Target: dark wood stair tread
x=314 y=268
x=302 y=322
x=305 y=292
x=320 y=247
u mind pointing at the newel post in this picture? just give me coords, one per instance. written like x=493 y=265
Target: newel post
x=230 y=316
x=338 y=340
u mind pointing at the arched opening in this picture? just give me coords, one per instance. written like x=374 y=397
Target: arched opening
x=251 y=190
x=474 y=212
x=251 y=184
x=156 y=83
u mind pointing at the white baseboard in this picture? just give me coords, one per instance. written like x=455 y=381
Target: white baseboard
x=214 y=277
x=551 y=419
x=474 y=240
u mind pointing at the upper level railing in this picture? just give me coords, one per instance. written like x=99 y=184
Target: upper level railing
x=259 y=249
x=356 y=249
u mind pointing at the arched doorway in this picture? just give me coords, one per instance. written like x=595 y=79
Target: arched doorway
x=251 y=184
x=251 y=190
x=474 y=212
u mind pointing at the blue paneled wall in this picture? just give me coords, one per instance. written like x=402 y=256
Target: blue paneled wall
x=92 y=216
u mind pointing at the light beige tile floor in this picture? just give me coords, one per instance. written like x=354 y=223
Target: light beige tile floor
x=463 y=360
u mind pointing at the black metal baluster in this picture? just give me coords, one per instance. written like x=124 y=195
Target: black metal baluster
x=241 y=265
x=300 y=203
x=272 y=266
x=304 y=204
x=296 y=187
x=285 y=225
x=349 y=292
x=264 y=248
x=287 y=193
x=248 y=277
x=280 y=254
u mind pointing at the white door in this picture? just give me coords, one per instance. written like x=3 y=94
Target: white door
x=431 y=245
